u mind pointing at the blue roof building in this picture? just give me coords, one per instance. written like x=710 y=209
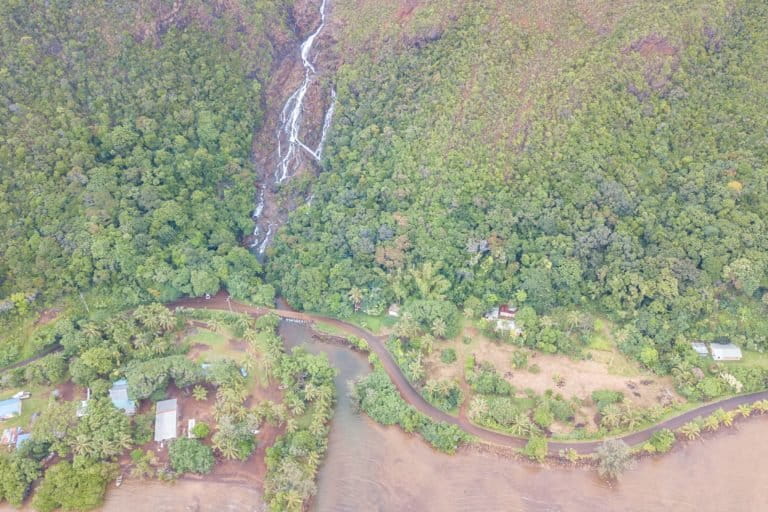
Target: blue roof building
x=21 y=438
x=10 y=408
x=118 y=393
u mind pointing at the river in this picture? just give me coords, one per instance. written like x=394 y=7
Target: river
x=381 y=469
x=373 y=468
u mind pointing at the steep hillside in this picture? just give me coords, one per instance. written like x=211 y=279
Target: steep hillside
x=604 y=155
x=125 y=144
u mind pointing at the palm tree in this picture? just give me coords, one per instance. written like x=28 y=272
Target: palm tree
x=310 y=392
x=573 y=319
x=478 y=408
x=164 y=319
x=252 y=337
x=760 y=406
x=745 y=410
x=690 y=430
x=427 y=343
x=356 y=296
x=711 y=423
x=546 y=321
x=226 y=446
x=296 y=405
x=430 y=284
x=521 y=425
x=291 y=425
x=325 y=393
x=293 y=501
x=725 y=417
x=313 y=460
x=242 y=322
x=611 y=416
x=199 y=393
x=82 y=445
x=439 y=327
x=631 y=417
x=91 y=330
x=217 y=325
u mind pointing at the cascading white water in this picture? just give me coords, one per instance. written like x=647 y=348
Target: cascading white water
x=289 y=128
x=326 y=125
x=291 y=115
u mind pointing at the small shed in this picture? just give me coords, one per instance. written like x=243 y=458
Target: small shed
x=394 y=310
x=118 y=393
x=725 y=352
x=9 y=436
x=700 y=348
x=507 y=311
x=166 y=417
x=10 y=408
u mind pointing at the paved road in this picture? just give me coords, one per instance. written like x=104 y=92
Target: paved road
x=410 y=395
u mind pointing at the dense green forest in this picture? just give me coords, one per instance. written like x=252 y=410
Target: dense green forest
x=613 y=163
x=125 y=141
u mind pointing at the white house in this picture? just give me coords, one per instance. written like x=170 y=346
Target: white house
x=725 y=352
x=166 y=416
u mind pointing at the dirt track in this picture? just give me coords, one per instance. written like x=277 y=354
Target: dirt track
x=413 y=397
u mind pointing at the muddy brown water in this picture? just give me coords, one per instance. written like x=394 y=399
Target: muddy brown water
x=381 y=469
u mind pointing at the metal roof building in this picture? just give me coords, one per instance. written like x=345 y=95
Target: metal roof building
x=700 y=348
x=725 y=352
x=166 y=416
x=119 y=396
x=10 y=408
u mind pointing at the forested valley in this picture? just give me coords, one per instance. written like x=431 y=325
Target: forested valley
x=609 y=158
x=125 y=142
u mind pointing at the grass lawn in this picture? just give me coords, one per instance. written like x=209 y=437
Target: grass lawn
x=219 y=347
x=750 y=358
x=375 y=324
x=329 y=329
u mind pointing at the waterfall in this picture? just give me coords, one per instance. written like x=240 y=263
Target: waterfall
x=291 y=115
x=289 y=144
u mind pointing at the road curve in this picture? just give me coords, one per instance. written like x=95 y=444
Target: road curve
x=413 y=397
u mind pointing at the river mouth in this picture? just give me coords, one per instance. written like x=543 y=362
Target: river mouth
x=369 y=467
x=373 y=468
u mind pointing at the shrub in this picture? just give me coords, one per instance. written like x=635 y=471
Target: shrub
x=448 y=355
x=488 y=382
x=16 y=475
x=190 y=456
x=79 y=485
x=660 y=442
x=603 y=397
x=536 y=448
x=534 y=369
x=142 y=428
x=520 y=360
x=201 y=430
x=543 y=416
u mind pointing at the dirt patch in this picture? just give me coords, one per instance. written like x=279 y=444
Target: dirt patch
x=197 y=349
x=653 y=44
x=574 y=378
x=47 y=316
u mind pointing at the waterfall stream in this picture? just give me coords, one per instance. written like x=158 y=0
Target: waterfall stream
x=291 y=115
x=289 y=144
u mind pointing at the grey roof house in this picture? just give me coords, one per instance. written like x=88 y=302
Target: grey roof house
x=166 y=416
x=725 y=352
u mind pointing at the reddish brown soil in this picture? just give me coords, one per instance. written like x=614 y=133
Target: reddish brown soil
x=48 y=316
x=653 y=44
